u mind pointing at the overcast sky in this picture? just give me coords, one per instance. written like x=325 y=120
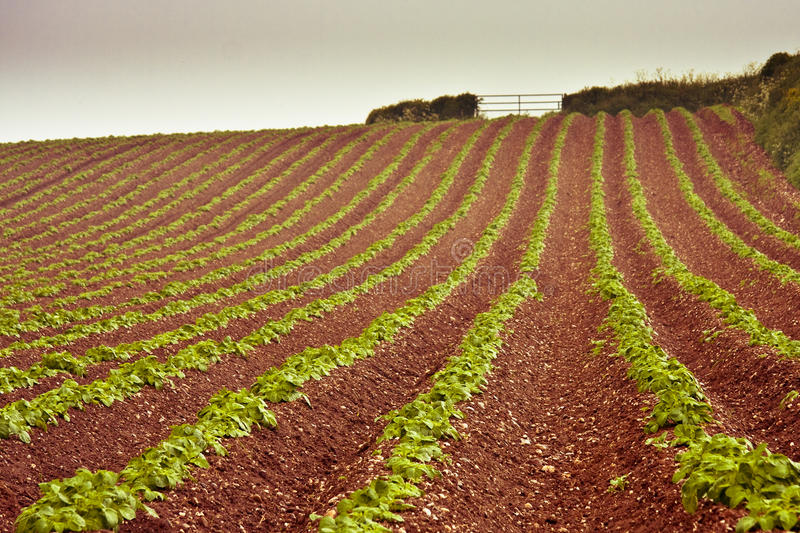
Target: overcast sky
x=78 y=68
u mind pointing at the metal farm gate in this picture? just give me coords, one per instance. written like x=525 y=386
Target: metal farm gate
x=519 y=103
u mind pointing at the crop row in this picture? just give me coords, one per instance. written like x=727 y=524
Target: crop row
x=17 y=417
x=705 y=289
x=76 y=183
x=419 y=425
x=52 y=363
x=29 y=157
x=60 y=316
x=109 y=198
x=181 y=306
x=28 y=255
x=139 y=269
x=107 y=176
x=69 y=245
x=222 y=169
x=20 y=283
x=230 y=414
x=27 y=153
x=56 y=166
x=719 y=467
x=727 y=189
x=783 y=272
x=764 y=183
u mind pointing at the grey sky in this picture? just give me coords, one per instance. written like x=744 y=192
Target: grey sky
x=97 y=67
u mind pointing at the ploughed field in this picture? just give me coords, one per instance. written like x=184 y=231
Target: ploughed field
x=555 y=324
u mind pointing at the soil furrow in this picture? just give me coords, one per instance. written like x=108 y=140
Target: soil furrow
x=296 y=484
x=725 y=210
x=682 y=323
x=98 y=436
x=702 y=252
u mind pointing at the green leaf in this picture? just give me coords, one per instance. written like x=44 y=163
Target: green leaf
x=745 y=524
x=127 y=512
x=735 y=494
x=787 y=519
x=767 y=522
x=689 y=499
x=111 y=518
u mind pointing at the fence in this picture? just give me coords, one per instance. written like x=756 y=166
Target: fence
x=518 y=103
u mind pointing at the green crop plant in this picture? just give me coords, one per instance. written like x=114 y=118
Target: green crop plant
x=17 y=417
x=419 y=425
x=233 y=414
x=12 y=377
x=781 y=271
x=726 y=187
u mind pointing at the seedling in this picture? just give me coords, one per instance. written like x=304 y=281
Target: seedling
x=618 y=484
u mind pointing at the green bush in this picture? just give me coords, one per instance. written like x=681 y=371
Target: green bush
x=778 y=127
x=774 y=63
x=689 y=91
x=445 y=107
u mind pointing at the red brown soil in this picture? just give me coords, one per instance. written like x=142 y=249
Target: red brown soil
x=403 y=208
x=700 y=250
x=409 y=202
x=741 y=159
x=730 y=214
x=148 y=329
x=777 y=191
x=276 y=193
x=541 y=444
x=86 y=431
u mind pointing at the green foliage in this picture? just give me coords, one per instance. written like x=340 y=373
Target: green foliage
x=731 y=471
x=774 y=64
x=113 y=252
x=405 y=111
x=85 y=502
x=446 y=107
x=721 y=468
x=618 y=484
x=663 y=92
x=419 y=425
x=11 y=378
x=363 y=511
x=776 y=126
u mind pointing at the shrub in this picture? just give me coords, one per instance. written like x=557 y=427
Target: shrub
x=445 y=107
x=774 y=63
